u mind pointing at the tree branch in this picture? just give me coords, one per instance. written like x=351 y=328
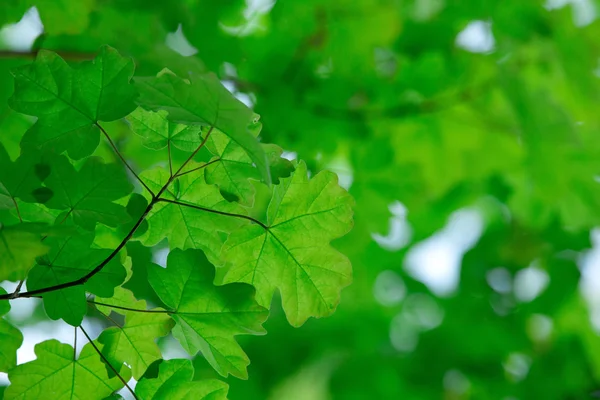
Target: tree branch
x=108 y=362
x=85 y=278
x=98 y=268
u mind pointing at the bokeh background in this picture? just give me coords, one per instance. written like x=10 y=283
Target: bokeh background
x=467 y=130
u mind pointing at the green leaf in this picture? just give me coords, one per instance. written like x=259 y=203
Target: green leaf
x=22 y=179
x=174 y=382
x=70 y=259
x=10 y=338
x=19 y=247
x=69 y=102
x=157 y=131
x=64 y=16
x=202 y=99
x=293 y=253
x=55 y=374
x=184 y=226
x=134 y=342
x=207 y=316
x=88 y=193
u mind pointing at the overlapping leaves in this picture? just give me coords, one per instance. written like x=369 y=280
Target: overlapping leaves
x=69 y=216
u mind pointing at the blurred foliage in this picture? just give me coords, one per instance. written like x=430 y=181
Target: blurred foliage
x=394 y=96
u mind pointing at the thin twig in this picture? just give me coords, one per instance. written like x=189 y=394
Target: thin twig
x=107 y=362
x=123 y=159
x=17 y=208
x=179 y=203
x=19 y=286
x=129 y=309
x=170 y=162
x=197 y=168
x=67 y=55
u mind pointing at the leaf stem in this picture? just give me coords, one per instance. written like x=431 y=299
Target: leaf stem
x=129 y=309
x=197 y=168
x=124 y=161
x=108 y=362
x=179 y=203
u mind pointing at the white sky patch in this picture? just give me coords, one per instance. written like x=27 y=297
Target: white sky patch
x=477 y=37
x=289 y=155
x=584 y=11
x=159 y=256
x=20 y=36
x=177 y=41
x=589 y=283
x=529 y=283
x=400 y=232
x=389 y=288
x=500 y=280
x=343 y=169
x=436 y=260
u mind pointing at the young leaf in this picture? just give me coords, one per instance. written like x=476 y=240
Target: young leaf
x=10 y=338
x=174 y=382
x=135 y=342
x=69 y=102
x=207 y=316
x=70 y=259
x=232 y=168
x=19 y=247
x=293 y=253
x=203 y=100
x=182 y=224
x=157 y=131
x=88 y=193
x=55 y=374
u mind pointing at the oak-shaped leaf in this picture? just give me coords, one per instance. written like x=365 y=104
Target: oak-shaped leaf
x=20 y=244
x=202 y=99
x=134 y=343
x=10 y=338
x=158 y=132
x=207 y=316
x=70 y=101
x=68 y=260
x=88 y=194
x=56 y=374
x=196 y=218
x=174 y=382
x=232 y=168
x=292 y=252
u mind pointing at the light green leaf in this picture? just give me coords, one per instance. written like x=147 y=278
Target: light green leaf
x=207 y=316
x=202 y=99
x=19 y=247
x=135 y=342
x=55 y=374
x=70 y=259
x=293 y=253
x=70 y=101
x=64 y=16
x=174 y=382
x=184 y=226
x=10 y=338
x=157 y=131
x=88 y=193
